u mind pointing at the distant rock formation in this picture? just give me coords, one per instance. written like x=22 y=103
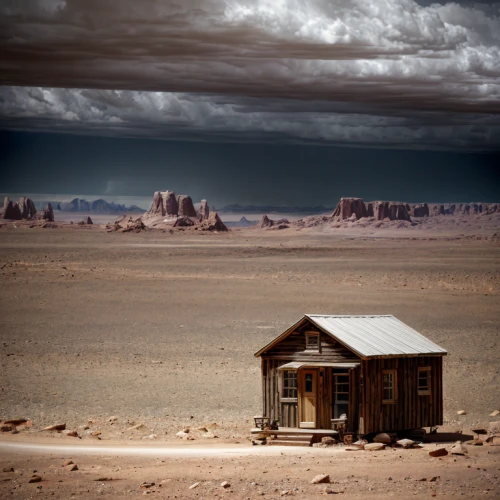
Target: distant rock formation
x=349 y=206
x=421 y=210
x=46 y=214
x=127 y=224
x=96 y=206
x=267 y=223
x=186 y=207
x=204 y=211
x=164 y=204
x=86 y=222
x=184 y=221
x=27 y=208
x=10 y=210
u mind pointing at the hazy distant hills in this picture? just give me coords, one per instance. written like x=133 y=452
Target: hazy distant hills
x=259 y=209
x=97 y=206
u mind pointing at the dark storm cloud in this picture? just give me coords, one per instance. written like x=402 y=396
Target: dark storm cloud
x=354 y=72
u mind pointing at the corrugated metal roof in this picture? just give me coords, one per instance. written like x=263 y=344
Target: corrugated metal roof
x=295 y=365
x=376 y=335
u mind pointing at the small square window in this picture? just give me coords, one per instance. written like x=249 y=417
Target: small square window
x=389 y=386
x=312 y=341
x=424 y=381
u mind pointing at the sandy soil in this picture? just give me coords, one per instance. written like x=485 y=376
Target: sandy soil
x=160 y=329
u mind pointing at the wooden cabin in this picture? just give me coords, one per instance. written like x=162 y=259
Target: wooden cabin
x=371 y=373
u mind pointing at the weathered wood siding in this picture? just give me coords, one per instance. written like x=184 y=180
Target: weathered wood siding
x=292 y=348
x=410 y=410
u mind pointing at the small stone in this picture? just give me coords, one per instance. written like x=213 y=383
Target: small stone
x=461 y=412
x=7 y=428
x=112 y=419
x=433 y=479
x=182 y=434
x=321 y=478
x=495 y=413
x=70 y=433
x=406 y=443
x=103 y=479
x=328 y=441
x=35 y=479
x=72 y=467
x=374 y=446
x=440 y=452
x=194 y=485
x=96 y=433
x=360 y=443
x=57 y=427
x=225 y=484
x=68 y=462
x=146 y=485
x=459 y=449
x=8 y=469
x=135 y=427
x=202 y=429
x=382 y=438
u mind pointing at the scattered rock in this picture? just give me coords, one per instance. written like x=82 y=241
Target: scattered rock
x=8 y=469
x=16 y=422
x=374 y=446
x=112 y=419
x=406 y=443
x=104 y=479
x=461 y=412
x=458 y=449
x=494 y=427
x=146 y=485
x=440 y=452
x=71 y=433
x=7 y=428
x=360 y=443
x=182 y=434
x=35 y=479
x=225 y=484
x=135 y=427
x=321 y=478
x=213 y=223
x=495 y=413
x=57 y=427
x=382 y=438
x=71 y=467
x=96 y=433
x=494 y=440
x=328 y=441
x=68 y=462
x=184 y=221
x=195 y=485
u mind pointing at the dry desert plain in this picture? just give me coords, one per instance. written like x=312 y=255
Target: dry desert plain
x=160 y=329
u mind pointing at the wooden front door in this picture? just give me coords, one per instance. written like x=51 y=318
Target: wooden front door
x=308 y=398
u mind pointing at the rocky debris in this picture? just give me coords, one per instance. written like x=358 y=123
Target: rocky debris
x=495 y=413
x=146 y=485
x=347 y=207
x=321 y=478
x=461 y=412
x=195 y=485
x=360 y=444
x=8 y=469
x=374 y=446
x=212 y=223
x=494 y=440
x=328 y=441
x=184 y=221
x=382 y=438
x=7 y=427
x=126 y=224
x=35 y=479
x=17 y=421
x=421 y=210
x=182 y=434
x=10 y=210
x=185 y=204
x=458 y=449
x=71 y=467
x=204 y=211
x=135 y=427
x=440 y=452
x=68 y=462
x=266 y=222
x=27 y=208
x=113 y=419
x=57 y=427
x=225 y=484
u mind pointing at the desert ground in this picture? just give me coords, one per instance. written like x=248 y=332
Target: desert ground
x=160 y=329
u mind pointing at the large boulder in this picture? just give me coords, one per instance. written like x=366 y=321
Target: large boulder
x=266 y=222
x=204 y=210
x=47 y=213
x=349 y=206
x=27 y=208
x=213 y=223
x=186 y=207
x=10 y=210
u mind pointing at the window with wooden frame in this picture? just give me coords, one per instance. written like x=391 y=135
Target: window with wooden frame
x=389 y=386
x=289 y=386
x=424 y=381
x=312 y=341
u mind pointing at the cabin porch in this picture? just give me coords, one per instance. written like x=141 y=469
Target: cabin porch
x=292 y=436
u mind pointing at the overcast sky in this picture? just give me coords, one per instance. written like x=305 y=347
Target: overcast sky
x=252 y=100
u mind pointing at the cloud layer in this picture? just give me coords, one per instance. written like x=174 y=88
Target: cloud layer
x=390 y=73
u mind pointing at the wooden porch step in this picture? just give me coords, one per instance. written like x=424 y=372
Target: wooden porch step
x=286 y=442
x=294 y=437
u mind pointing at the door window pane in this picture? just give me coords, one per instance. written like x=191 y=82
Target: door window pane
x=309 y=382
